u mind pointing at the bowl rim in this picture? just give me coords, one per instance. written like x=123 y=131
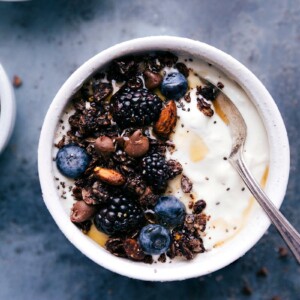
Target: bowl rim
x=8 y=109
x=264 y=103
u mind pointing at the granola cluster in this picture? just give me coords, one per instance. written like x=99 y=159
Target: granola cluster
x=124 y=125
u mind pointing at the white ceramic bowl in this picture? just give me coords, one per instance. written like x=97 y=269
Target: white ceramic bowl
x=210 y=261
x=8 y=109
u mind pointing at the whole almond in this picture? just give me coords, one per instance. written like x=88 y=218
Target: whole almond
x=109 y=176
x=167 y=120
x=104 y=145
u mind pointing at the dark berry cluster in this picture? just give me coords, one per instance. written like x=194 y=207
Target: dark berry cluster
x=121 y=215
x=120 y=169
x=155 y=171
x=133 y=108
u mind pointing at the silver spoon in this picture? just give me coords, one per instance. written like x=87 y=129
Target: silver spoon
x=238 y=129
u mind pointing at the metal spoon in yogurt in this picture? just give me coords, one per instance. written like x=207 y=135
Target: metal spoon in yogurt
x=238 y=130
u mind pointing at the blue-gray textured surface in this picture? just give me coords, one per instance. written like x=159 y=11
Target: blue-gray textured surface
x=43 y=42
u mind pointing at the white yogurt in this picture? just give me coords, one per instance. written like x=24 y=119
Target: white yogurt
x=201 y=144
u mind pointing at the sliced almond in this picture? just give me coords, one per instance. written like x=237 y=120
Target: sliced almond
x=109 y=176
x=167 y=120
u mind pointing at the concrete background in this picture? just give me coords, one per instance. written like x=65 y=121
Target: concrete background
x=43 y=42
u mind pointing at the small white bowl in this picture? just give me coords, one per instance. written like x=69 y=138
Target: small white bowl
x=7 y=109
x=209 y=261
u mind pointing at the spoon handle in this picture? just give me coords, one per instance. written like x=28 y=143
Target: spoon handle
x=287 y=231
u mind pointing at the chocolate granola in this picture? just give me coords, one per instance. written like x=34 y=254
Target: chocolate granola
x=124 y=126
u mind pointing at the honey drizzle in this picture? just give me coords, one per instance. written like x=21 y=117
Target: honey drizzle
x=97 y=236
x=220 y=112
x=198 y=148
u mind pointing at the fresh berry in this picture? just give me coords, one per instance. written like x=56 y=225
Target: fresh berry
x=155 y=171
x=174 y=86
x=72 y=160
x=154 y=239
x=135 y=107
x=170 y=211
x=120 y=216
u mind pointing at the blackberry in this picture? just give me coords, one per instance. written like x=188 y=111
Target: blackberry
x=120 y=216
x=135 y=107
x=155 y=171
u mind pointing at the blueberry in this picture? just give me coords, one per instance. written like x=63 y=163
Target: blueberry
x=169 y=211
x=72 y=160
x=174 y=86
x=154 y=239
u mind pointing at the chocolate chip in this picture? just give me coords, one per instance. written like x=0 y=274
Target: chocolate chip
x=104 y=145
x=137 y=145
x=152 y=79
x=186 y=184
x=82 y=212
